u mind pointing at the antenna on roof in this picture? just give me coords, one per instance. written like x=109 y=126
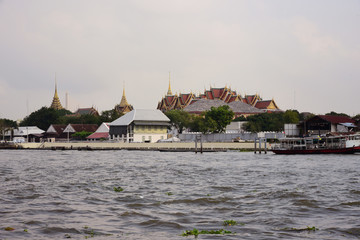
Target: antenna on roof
x=66 y=101
x=27 y=106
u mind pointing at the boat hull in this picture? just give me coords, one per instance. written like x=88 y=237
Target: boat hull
x=317 y=151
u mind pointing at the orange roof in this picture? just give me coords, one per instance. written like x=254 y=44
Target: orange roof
x=98 y=135
x=216 y=92
x=263 y=104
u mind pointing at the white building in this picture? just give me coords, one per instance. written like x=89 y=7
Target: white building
x=140 y=125
x=26 y=134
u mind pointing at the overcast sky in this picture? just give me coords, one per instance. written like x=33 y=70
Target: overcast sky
x=304 y=54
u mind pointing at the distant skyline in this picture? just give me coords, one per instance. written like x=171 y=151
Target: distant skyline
x=305 y=54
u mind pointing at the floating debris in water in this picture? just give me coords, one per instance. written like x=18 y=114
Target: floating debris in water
x=229 y=222
x=118 y=189
x=313 y=228
x=195 y=232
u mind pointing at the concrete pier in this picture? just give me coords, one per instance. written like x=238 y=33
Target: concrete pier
x=175 y=146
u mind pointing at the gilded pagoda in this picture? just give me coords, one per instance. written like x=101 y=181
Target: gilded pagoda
x=124 y=106
x=56 y=101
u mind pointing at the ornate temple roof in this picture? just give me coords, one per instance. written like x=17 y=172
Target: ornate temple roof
x=87 y=111
x=248 y=103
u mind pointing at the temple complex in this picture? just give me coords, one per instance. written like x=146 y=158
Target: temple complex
x=56 y=101
x=174 y=101
x=124 y=106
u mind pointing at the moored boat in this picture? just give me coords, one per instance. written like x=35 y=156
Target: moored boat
x=341 y=144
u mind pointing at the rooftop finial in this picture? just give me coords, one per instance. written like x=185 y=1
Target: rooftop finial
x=169 y=90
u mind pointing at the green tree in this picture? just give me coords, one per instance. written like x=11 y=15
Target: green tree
x=356 y=117
x=291 y=116
x=332 y=113
x=197 y=123
x=110 y=115
x=44 y=117
x=265 y=122
x=240 y=118
x=80 y=119
x=81 y=135
x=5 y=125
x=218 y=118
x=179 y=119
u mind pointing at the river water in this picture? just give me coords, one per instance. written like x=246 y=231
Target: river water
x=70 y=194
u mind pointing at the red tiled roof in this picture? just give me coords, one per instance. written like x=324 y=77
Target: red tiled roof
x=170 y=99
x=216 y=92
x=194 y=101
x=98 y=135
x=262 y=104
x=250 y=98
x=336 y=119
x=84 y=127
x=231 y=99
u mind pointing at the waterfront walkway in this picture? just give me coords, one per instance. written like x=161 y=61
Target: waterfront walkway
x=175 y=146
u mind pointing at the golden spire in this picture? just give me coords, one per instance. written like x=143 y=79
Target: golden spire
x=123 y=102
x=124 y=106
x=56 y=101
x=169 y=90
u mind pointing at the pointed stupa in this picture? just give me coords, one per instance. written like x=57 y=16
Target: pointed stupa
x=169 y=93
x=124 y=106
x=56 y=101
x=123 y=102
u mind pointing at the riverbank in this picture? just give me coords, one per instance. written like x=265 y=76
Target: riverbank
x=175 y=146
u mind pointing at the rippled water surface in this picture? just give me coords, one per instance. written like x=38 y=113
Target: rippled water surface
x=70 y=194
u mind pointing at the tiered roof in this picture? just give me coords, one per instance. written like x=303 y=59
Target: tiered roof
x=124 y=106
x=224 y=95
x=56 y=101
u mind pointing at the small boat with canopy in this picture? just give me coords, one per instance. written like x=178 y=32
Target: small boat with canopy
x=331 y=144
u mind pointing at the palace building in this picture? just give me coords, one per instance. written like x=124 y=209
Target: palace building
x=226 y=95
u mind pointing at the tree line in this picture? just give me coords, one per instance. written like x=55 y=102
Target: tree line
x=213 y=121
x=216 y=119
x=45 y=116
